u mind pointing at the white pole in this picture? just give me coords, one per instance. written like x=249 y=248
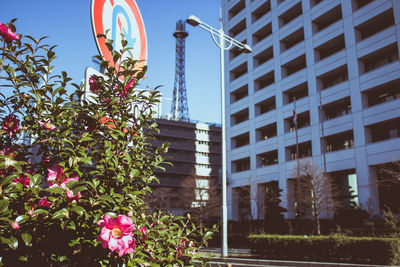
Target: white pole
x=194 y=21
x=224 y=193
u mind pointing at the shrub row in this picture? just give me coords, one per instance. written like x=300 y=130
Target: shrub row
x=327 y=248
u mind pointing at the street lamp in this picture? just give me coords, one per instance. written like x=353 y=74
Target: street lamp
x=223 y=39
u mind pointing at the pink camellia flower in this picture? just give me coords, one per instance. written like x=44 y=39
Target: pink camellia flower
x=7 y=33
x=15 y=225
x=58 y=178
x=143 y=230
x=48 y=125
x=128 y=85
x=117 y=234
x=71 y=195
x=30 y=212
x=23 y=179
x=11 y=125
x=43 y=202
x=8 y=151
x=94 y=87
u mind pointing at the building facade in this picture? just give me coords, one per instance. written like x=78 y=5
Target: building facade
x=195 y=151
x=336 y=64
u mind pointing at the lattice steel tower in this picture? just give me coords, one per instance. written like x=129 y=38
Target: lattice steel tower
x=179 y=107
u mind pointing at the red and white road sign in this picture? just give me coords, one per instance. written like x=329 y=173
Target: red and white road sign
x=119 y=16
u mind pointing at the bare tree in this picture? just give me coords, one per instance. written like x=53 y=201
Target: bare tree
x=201 y=196
x=315 y=193
x=389 y=185
x=266 y=201
x=160 y=199
x=389 y=173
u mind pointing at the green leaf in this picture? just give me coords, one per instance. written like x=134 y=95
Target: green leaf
x=207 y=235
x=36 y=179
x=109 y=46
x=60 y=90
x=21 y=258
x=78 y=210
x=61 y=214
x=86 y=139
x=27 y=238
x=106 y=198
x=55 y=190
x=12 y=242
x=71 y=225
x=40 y=211
x=22 y=218
x=4 y=204
x=134 y=172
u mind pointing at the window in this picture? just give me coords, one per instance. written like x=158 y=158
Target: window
x=315 y=2
x=241 y=165
x=336 y=109
x=375 y=25
x=380 y=58
x=329 y=48
x=265 y=106
x=240 y=93
x=384 y=130
x=240 y=116
x=242 y=199
x=263 y=56
x=327 y=19
x=236 y=51
x=263 y=81
x=294 y=66
x=238 y=71
x=236 y=9
x=261 y=11
x=304 y=151
x=262 y=33
x=357 y=4
x=239 y=141
x=345 y=182
x=266 y=132
x=238 y=28
x=303 y=120
x=339 y=141
x=332 y=77
x=383 y=93
x=290 y=14
x=298 y=92
x=292 y=39
x=267 y=159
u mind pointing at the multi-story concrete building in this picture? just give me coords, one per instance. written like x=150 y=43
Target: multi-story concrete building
x=336 y=63
x=195 y=150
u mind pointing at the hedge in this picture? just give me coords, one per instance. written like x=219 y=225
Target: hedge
x=369 y=250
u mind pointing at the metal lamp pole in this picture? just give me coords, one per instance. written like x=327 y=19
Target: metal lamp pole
x=224 y=42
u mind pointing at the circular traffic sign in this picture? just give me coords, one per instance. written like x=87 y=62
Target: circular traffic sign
x=119 y=16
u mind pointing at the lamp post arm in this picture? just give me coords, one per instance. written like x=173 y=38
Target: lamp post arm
x=218 y=43
x=214 y=32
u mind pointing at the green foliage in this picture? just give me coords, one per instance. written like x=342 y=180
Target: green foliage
x=391 y=224
x=66 y=161
x=327 y=248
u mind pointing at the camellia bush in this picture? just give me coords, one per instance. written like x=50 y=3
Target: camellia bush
x=75 y=170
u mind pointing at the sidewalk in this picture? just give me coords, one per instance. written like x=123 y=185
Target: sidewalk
x=243 y=257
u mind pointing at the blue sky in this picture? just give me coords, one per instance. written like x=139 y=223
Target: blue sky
x=68 y=25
